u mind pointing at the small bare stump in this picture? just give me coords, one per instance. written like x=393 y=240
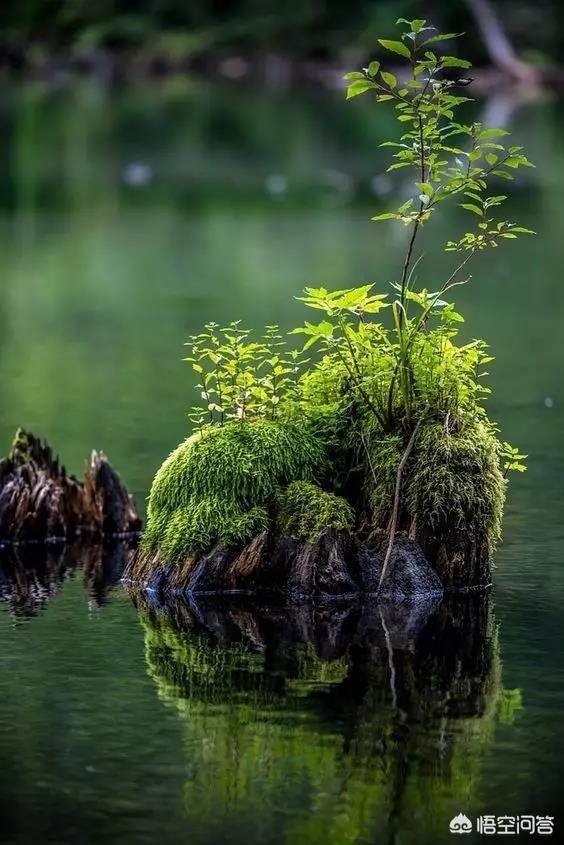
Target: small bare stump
x=40 y=501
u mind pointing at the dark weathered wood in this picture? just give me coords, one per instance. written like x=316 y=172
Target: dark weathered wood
x=335 y=566
x=40 y=501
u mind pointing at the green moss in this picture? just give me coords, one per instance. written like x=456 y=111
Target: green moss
x=456 y=480
x=21 y=447
x=385 y=455
x=218 y=486
x=451 y=480
x=230 y=483
x=305 y=511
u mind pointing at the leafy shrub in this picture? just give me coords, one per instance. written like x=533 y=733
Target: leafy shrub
x=414 y=366
x=241 y=378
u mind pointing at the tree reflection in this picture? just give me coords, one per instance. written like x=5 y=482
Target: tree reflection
x=331 y=724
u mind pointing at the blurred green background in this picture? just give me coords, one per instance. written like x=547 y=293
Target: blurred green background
x=158 y=33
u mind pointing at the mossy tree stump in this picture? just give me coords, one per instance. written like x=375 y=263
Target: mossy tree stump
x=246 y=507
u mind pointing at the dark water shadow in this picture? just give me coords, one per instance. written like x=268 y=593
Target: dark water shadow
x=383 y=713
x=32 y=574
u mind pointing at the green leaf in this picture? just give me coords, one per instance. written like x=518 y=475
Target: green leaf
x=374 y=307
x=425 y=188
x=359 y=86
x=454 y=61
x=388 y=215
x=395 y=47
x=354 y=74
x=444 y=36
x=310 y=341
x=450 y=315
x=417 y=24
x=486 y=134
x=471 y=207
x=502 y=174
x=373 y=68
x=389 y=79
x=406 y=206
x=491 y=158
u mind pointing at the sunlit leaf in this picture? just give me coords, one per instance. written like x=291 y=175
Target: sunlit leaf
x=359 y=86
x=389 y=79
x=395 y=47
x=442 y=36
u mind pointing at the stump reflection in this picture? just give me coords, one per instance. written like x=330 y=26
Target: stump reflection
x=31 y=574
x=328 y=724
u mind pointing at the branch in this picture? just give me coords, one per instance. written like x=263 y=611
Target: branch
x=450 y=283
x=393 y=526
x=368 y=455
x=416 y=224
x=408 y=254
x=361 y=390
x=497 y=43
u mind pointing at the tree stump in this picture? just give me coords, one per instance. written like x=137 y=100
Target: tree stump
x=40 y=501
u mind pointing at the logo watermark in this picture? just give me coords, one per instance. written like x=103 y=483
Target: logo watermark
x=460 y=824
x=503 y=825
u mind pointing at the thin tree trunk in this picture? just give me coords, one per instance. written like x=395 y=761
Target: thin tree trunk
x=394 y=522
x=497 y=43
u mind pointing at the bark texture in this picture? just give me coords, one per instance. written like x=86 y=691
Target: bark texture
x=336 y=566
x=40 y=501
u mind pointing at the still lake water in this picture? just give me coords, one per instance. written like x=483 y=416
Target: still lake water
x=126 y=221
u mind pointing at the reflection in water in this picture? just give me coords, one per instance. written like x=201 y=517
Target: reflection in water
x=31 y=574
x=336 y=723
